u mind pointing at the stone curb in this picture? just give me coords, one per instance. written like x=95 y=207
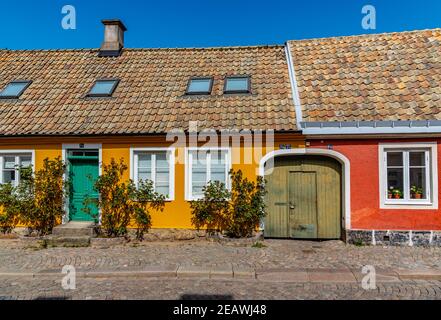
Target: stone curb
x=243 y=273
x=419 y=274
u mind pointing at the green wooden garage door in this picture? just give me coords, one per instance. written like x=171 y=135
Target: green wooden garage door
x=304 y=198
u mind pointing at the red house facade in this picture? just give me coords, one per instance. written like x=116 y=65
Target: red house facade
x=373 y=103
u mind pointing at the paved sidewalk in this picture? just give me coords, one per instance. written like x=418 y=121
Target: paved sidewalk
x=276 y=254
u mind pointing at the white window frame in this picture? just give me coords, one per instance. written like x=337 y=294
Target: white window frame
x=431 y=176
x=134 y=166
x=188 y=165
x=17 y=154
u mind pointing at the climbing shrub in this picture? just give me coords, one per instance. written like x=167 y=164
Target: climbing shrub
x=236 y=213
x=247 y=206
x=211 y=211
x=37 y=201
x=9 y=217
x=42 y=196
x=121 y=203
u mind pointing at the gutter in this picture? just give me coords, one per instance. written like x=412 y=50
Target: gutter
x=371 y=127
x=294 y=87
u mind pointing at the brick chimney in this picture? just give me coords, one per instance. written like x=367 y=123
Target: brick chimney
x=113 y=38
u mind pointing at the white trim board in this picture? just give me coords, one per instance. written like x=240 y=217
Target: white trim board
x=294 y=86
x=172 y=163
x=346 y=173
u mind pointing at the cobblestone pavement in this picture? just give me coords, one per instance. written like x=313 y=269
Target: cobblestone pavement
x=29 y=288
x=277 y=254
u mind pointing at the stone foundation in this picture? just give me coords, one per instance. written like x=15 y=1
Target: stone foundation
x=170 y=234
x=394 y=238
x=189 y=234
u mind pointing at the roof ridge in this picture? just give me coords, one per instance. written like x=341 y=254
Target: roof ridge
x=153 y=49
x=366 y=35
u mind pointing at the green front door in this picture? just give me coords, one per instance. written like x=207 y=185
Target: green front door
x=83 y=172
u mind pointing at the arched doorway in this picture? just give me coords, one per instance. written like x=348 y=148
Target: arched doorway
x=306 y=194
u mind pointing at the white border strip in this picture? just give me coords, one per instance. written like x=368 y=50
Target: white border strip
x=294 y=87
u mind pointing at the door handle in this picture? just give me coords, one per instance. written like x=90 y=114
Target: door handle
x=292 y=206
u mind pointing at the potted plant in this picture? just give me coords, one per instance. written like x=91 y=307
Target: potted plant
x=397 y=194
x=416 y=192
x=389 y=193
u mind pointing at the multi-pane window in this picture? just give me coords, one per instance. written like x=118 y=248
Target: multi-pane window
x=408 y=175
x=10 y=165
x=206 y=165
x=155 y=166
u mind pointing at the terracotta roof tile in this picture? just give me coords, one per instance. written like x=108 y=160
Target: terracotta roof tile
x=393 y=76
x=150 y=97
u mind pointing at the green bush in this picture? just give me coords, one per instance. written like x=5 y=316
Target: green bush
x=37 y=201
x=121 y=202
x=212 y=210
x=236 y=213
x=9 y=218
x=247 y=205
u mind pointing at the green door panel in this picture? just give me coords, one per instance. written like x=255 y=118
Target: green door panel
x=303 y=205
x=83 y=173
x=276 y=222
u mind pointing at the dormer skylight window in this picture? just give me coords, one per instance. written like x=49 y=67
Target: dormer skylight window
x=103 y=88
x=237 y=84
x=200 y=85
x=14 y=89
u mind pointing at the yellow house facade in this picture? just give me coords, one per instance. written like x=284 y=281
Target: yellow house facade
x=176 y=213
x=156 y=109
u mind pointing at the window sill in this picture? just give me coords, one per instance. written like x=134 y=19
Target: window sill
x=165 y=200
x=412 y=205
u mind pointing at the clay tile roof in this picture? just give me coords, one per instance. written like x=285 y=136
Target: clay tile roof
x=150 y=97
x=395 y=76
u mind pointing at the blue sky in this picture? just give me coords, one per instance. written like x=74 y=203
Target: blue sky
x=30 y=24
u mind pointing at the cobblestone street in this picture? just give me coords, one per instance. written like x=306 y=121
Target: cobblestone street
x=322 y=270
x=104 y=288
